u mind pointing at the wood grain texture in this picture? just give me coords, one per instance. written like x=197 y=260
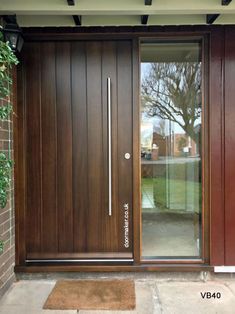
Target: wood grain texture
x=80 y=145
x=33 y=148
x=67 y=148
x=95 y=167
x=124 y=137
x=49 y=147
x=110 y=229
x=64 y=148
x=137 y=212
x=216 y=149
x=229 y=131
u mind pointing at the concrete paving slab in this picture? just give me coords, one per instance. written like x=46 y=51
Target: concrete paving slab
x=30 y=293
x=182 y=297
x=231 y=286
x=152 y=297
x=22 y=309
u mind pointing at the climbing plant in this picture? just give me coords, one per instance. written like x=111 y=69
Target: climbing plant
x=7 y=60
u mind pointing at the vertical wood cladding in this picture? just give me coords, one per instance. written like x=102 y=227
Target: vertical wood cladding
x=229 y=132
x=65 y=145
x=215 y=103
x=222 y=143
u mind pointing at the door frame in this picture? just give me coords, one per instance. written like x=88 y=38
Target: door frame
x=205 y=154
x=34 y=34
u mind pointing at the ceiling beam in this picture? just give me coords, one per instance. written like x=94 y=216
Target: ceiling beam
x=144 y=19
x=226 y=2
x=77 y=20
x=210 y=18
x=71 y=2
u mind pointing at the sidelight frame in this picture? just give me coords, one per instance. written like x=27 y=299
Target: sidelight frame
x=205 y=214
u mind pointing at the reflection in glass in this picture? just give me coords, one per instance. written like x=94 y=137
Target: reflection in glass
x=171 y=119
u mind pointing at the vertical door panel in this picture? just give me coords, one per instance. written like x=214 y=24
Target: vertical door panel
x=95 y=147
x=124 y=138
x=49 y=158
x=64 y=148
x=80 y=145
x=33 y=149
x=110 y=227
x=229 y=146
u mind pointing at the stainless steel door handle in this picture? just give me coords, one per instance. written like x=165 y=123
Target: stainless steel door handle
x=109 y=144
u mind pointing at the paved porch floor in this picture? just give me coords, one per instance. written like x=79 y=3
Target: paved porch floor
x=153 y=296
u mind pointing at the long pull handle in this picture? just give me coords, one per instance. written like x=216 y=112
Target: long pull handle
x=109 y=143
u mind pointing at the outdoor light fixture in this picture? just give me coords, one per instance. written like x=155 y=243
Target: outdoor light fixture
x=13 y=34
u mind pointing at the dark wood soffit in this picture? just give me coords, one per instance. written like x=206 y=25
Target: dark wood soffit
x=210 y=18
x=123 y=32
x=226 y=2
x=71 y=2
x=144 y=19
x=77 y=20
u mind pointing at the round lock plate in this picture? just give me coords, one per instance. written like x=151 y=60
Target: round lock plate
x=127 y=156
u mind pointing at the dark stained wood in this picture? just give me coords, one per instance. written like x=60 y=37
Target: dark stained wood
x=116 y=32
x=124 y=136
x=95 y=163
x=110 y=224
x=137 y=233
x=67 y=213
x=33 y=148
x=80 y=145
x=114 y=268
x=205 y=156
x=64 y=148
x=49 y=148
x=229 y=132
x=216 y=149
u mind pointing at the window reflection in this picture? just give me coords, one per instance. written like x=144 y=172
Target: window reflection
x=171 y=118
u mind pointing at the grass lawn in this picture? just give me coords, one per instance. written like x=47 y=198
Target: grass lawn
x=173 y=194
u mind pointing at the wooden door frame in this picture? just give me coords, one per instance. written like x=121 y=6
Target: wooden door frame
x=134 y=34
x=205 y=161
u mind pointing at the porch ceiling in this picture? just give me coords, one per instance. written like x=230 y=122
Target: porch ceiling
x=121 y=12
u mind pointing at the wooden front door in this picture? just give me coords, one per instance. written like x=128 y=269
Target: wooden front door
x=77 y=99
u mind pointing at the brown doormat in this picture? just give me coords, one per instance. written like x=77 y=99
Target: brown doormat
x=92 y=295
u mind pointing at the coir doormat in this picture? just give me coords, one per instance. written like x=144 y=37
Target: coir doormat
x=92 y=295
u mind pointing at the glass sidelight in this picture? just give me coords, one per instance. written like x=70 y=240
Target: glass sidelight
x=171 y=149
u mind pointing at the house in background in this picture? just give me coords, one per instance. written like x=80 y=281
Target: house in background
x=88 y=197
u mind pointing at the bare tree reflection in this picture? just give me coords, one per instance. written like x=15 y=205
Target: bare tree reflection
x=173 y=91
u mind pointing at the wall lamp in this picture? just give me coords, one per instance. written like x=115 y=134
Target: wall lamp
x=12 y=34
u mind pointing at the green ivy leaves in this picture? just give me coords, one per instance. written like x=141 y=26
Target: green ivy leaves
x=7 y=59
x=5 y=178
x=5 y=112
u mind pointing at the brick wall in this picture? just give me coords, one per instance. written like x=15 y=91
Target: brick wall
x=7 y=216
